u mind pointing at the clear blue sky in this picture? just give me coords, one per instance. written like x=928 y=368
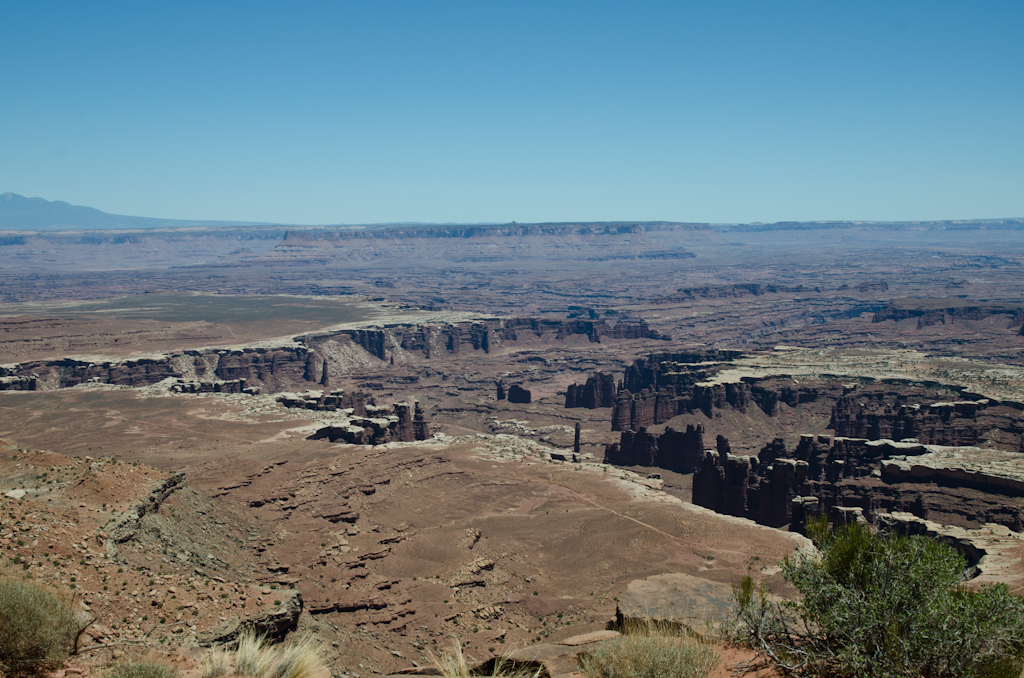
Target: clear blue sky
x=351 y=112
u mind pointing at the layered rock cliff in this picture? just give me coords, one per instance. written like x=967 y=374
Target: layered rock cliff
x=496 y=244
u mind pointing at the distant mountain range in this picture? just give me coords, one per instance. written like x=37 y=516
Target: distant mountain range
x=18 y=213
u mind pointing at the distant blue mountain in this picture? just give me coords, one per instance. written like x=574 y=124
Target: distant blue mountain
x=18 y=213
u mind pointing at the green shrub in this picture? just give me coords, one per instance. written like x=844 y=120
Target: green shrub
x=885 y=606
x=657 y=655
x=141 y=669
x=37 y=628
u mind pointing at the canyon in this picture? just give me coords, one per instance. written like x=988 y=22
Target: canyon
x=390 y=435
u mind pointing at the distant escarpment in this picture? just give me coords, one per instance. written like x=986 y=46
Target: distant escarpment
x=947 y=312
x=309 y=361
x=441 y=245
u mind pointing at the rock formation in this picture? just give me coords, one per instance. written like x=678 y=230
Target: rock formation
x=963 y=486
x=17 y=383
x=325 y=401
x=213 y=386
x=598 y=391
x=679 y=451
x=518 y=394
x=379 y=425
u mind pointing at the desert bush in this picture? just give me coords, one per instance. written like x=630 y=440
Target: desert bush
x=37 y=627
x=884 y=606
x=658 y=653
x=140 y=669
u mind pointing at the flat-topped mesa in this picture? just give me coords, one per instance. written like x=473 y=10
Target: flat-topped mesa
x=496 y=245
x=598 y=391
x=377 y=425
x=963 y=486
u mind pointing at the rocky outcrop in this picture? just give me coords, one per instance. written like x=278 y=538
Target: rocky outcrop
x=18 y=383
x=274 y=624
x=324 y=401
x=598 y=391
x=215 y=386
x=130 y=522
x=679 y=451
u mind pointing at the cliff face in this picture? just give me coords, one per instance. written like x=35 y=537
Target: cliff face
x=953 y=313
x=309 y=360
x=877 y=415
x=633 y=411
x=825 y=475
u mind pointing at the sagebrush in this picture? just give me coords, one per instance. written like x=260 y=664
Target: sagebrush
x=884 y=606
x=38 y=627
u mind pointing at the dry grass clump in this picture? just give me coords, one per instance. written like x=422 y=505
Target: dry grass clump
x=141 y=669
x=649 y=649
x=254 y=659
x=37 y=628
x=215 y=665
x=455 y=665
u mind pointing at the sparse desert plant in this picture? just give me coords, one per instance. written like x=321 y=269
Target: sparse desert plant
x=215 y=664
x=37 y=627
x=884 y=606
x=141 y=669
x=455 y=664
x=301 y=659
x=649 y=649
x=254 y=659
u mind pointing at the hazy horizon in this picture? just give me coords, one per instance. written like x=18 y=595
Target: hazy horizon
x=454 y=112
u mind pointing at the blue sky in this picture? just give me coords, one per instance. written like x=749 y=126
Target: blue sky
x=355 y=112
